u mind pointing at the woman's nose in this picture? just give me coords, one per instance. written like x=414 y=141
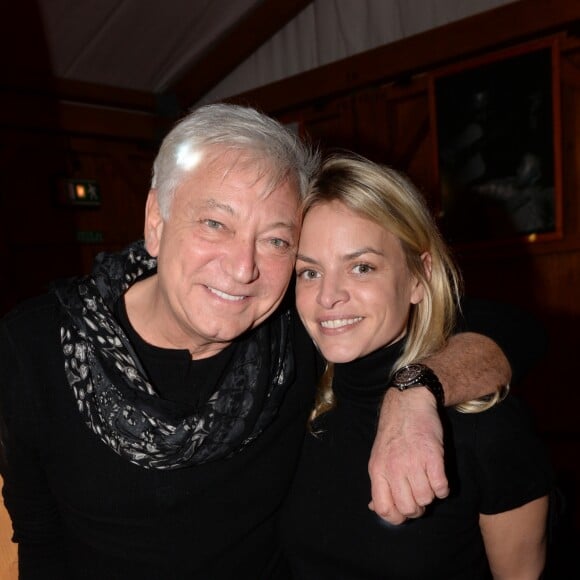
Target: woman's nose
x=332 y=292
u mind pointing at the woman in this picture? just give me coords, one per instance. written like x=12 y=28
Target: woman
x=376 y=289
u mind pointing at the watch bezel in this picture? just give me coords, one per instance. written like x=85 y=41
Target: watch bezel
x=410 y=375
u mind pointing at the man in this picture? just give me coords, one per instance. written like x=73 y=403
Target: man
x=153 y=411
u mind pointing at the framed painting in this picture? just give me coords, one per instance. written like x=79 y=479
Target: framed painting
x=498 y=146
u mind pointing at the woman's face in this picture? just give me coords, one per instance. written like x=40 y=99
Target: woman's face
x=353 y=288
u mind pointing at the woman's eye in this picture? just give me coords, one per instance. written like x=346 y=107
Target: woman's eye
x=363 y=268
x=308 y=274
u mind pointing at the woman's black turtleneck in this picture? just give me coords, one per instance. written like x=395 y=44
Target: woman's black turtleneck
x=493 y=459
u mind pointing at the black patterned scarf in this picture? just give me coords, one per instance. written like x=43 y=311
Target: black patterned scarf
x=120 y=405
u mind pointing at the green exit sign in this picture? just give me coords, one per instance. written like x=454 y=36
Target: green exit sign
x=79 y=193
x=90 y=237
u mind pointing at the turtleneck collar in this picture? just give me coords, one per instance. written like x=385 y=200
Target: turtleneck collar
x=367 y=377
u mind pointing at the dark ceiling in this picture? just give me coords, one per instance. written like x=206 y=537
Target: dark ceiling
x=177 y=47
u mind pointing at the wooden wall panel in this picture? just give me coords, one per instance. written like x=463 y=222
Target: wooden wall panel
x=41 y=239
x=326 y=123
x=393 y=127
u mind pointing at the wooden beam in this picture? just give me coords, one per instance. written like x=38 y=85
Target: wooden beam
x=244 y=38
x=39 y=113
x=54 y=89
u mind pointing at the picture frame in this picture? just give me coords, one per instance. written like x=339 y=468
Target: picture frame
x=497 y=136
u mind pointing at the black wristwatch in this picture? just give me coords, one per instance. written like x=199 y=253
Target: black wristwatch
x=419 y=375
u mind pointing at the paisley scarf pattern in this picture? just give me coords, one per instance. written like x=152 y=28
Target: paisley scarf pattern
x=121 y=406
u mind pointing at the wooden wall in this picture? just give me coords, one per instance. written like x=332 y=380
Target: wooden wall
x=103 y=136
x=380 y=104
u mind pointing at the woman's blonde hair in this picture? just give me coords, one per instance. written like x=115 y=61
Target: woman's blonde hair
x=389 y=199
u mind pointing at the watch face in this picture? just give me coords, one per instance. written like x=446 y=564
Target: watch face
x=419 y=375
x=408 y=375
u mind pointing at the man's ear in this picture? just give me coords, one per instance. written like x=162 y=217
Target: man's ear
x=418 y=290
x=153 y=224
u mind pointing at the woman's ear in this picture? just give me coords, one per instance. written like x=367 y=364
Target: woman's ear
x=418 y=289
x=153 y=224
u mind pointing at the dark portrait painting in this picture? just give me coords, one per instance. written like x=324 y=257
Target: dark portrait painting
x=496 y=147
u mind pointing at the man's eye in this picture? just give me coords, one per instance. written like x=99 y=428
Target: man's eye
x=213 y=224
x=279 y=243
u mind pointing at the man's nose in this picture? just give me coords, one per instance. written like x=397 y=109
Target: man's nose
x=241 y=261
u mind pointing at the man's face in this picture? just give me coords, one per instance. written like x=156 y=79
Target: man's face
x=225 y=253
